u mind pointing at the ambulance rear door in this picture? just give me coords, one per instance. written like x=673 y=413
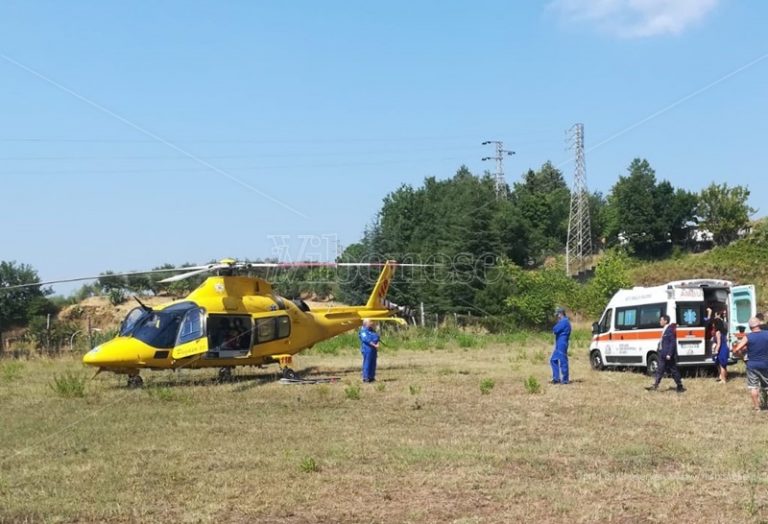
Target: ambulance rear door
x=743 y=307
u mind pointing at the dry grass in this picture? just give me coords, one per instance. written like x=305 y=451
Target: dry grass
x=427 y=447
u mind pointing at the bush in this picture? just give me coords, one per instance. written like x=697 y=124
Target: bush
x=309 y=465
x=486 y=385
x=116 y=296
x=352 y=392
x=537 y=293
x=532 y=385
x=466 y=340
x=69 y=385
x=11 y=370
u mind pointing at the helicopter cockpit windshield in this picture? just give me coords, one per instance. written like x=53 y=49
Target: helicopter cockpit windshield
x=131 y=319
x=156 y=328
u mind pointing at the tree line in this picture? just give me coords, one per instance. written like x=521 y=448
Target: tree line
x=485 y=244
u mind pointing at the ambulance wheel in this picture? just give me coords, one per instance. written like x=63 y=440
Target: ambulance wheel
x=135 y=381
x=652 y=364
x=596 y=361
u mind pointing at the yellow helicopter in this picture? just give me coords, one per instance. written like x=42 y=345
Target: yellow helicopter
x=230 y=321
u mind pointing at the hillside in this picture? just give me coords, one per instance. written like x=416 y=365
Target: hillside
x=743 y=262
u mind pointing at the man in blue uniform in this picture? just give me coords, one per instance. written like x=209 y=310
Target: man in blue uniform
x=369 y=347
x=667 y=355
x=559 y=358
x=755 y=346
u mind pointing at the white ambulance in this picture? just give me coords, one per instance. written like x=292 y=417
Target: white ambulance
x=628 y=333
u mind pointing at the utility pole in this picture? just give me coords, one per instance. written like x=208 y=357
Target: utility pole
x=578 y=253
x=501 y=186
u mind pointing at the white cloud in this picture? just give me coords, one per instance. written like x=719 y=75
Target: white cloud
x=636 y=18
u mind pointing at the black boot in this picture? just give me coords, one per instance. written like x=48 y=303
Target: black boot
x=680 y=388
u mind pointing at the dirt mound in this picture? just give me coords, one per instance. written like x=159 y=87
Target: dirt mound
x=101 y=313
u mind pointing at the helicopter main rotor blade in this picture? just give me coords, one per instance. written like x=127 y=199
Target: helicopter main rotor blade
x=199 y=271
x=191 y=271
x=80 y=279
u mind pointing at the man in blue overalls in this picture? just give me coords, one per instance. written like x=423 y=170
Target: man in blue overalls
x=559 y=359
x=369 y=347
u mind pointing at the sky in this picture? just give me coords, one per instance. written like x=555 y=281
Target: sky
x=134 y=134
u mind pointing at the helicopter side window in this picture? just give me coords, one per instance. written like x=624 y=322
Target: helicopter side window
x=283 y=327
x=265 y=329
x=191 y=326
x=272 y=328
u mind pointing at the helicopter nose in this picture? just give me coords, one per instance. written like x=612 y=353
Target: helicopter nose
x=117 y=352
x=97 y=356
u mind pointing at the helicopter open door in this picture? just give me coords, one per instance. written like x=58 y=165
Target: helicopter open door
x=191 y=339
x=230 y=336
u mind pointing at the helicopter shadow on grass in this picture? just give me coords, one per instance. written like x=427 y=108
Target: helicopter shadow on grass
x=244 y=382
x=250 y=380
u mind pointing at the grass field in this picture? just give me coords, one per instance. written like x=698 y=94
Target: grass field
x=457 y=434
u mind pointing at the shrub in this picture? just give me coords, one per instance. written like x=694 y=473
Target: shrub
x=532 y=385
x=414 y=389
x=116 y=296
x=352 y=392
x=12 y=370
x=466 y=340
x=69 y=385
x=309 y=465
x=486 y=385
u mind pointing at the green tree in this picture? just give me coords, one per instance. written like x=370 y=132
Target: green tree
x=109 y=281
x=724 y=211
x=611 y=274
x=648 y=217
x=543 y=199
x=17 y=306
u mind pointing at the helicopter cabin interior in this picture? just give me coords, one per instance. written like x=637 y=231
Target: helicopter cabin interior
x=232 y=336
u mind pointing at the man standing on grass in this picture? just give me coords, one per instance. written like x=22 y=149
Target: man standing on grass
x=369 y=347
x=667 y=355
x=755 y=346
x=559 y=358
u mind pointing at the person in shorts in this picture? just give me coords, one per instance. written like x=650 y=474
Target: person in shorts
x=755 y=346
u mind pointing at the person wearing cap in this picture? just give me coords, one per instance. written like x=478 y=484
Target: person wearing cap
x=369 y=347
x=755 y=346
x=559 y=358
